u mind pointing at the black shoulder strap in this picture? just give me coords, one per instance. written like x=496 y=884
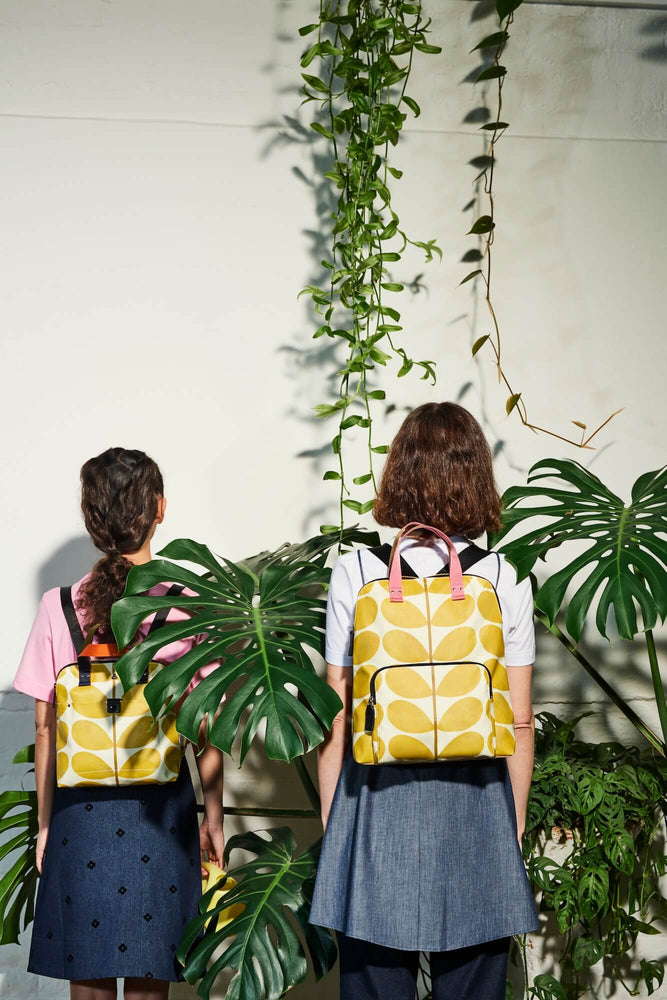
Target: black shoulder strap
x=470 y=555
x=76 y=634
x=467 y=557
x=161 y=615
x=383 y=552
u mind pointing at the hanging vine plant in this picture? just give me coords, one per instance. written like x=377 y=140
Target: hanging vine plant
x=363 y=53
x=492 y=48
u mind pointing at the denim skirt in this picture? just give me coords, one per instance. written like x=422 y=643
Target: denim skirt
x=121 y=878
x=423 y=857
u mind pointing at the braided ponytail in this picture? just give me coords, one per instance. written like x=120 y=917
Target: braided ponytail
x=120 y=492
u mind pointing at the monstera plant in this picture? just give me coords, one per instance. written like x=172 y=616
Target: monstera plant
x=623 y=565
x=262 y=618
x=18 y=822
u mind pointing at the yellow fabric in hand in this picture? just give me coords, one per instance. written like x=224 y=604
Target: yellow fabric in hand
x=215 y=875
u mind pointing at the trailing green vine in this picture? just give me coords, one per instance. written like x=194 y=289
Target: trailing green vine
x=484 y=226
x=365 y=50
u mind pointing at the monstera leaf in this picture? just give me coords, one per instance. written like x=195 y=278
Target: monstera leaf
x=625 y=560
x=261 y=942
x=18 y=834
x=259 y=617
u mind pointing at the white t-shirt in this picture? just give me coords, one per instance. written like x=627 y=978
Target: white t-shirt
x=426 y=559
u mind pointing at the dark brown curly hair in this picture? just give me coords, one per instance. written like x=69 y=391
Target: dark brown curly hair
x=120 y=492
x=440 y=471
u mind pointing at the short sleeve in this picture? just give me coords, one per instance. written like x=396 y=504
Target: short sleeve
x=520 y=636
x=37 y=670
x=340 y=615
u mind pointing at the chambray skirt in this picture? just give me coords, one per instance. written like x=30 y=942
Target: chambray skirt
x=423 y=857
x=121 y=879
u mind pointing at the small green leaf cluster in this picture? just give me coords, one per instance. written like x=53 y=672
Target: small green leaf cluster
x=610 y=800
x=363 y=52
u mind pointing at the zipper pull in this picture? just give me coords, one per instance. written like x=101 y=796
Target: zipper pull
x=369 y=724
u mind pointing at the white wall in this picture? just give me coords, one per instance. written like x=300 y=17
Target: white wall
x=158 y=221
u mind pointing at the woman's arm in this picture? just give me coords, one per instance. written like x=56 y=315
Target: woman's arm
x=520 y=764
x=45 y=772
x=210 y=764
x=332 y=751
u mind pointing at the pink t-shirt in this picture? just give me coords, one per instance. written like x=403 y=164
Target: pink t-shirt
x=49 y=647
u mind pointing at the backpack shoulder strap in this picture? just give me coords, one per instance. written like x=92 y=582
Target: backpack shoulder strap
x=470 y=555
x=161 y=615
x=383 y=552
x=75 y=631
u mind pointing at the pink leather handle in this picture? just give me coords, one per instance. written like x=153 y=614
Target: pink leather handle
x=455 y=572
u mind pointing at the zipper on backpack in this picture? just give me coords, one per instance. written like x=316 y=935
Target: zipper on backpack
x=369 y=720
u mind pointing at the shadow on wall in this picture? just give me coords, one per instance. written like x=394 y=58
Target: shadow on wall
x=67 y=564
x=655 y=28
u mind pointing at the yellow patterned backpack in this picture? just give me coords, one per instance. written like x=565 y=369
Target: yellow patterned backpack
x=106 y=736
x=429 y=675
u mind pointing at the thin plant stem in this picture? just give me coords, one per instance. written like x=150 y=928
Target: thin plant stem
x=657 y=682
x=308 y=784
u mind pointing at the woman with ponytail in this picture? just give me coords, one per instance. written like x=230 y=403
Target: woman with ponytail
x=119 y=865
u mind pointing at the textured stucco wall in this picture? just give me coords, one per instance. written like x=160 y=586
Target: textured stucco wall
x=160 y=217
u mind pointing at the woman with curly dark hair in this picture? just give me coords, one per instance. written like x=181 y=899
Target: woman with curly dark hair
x=120 y=864
x=425 y=856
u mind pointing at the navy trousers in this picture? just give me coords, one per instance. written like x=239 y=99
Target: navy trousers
x=372 y=972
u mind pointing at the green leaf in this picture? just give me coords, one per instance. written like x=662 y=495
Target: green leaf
x=491 y=41
x=512 y=401
x=587 y=952
x=469 y=277
x=329 y=529
x=310 y=54
x=412 y=104
x=623 y=563
x=483 y=225
x=381 y=449
x=430 y=49
x=590 y=791
x=545 y=987
x=319 y=128
x=315 y=83
x=360 y=480
x=354 y=420
x=506 y=7
x=652 y=973
x=260 y=618
x=392 y=286
x=495 y=126
x=376 y=394
x=479 y=343
x=331 y=474
x=620 y=849
x=307 y=28
x=593 y=892
x=491 y=73
x=264 y=944
x=395 y=172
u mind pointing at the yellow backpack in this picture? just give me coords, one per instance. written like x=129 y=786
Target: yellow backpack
x=429 y=675
x=106 y=736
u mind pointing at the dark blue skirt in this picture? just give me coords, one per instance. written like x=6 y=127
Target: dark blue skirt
x=423 y=857
x=121 y=879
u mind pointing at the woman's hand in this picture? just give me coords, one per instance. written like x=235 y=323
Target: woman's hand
x=40 y=848
x=211 y=842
